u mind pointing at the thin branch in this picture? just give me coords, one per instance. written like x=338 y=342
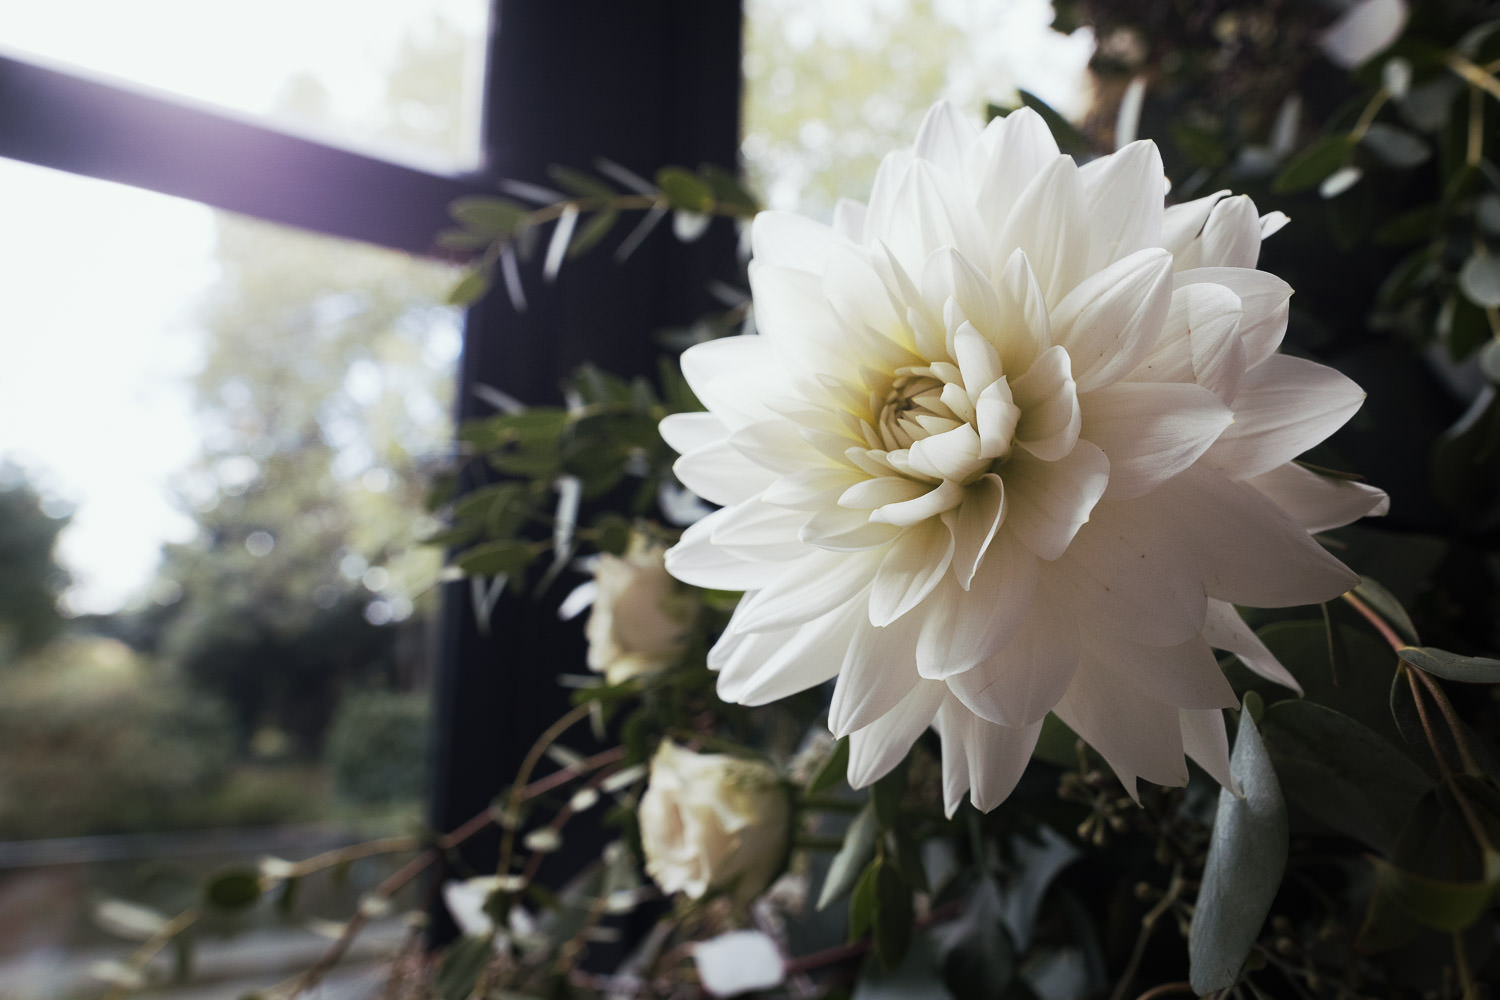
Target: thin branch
x=1369 y=614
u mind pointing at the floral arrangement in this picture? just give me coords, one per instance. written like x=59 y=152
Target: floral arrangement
x=979 y=614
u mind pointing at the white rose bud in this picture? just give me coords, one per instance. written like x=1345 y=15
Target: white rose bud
x=711 y=821
x=641 y=615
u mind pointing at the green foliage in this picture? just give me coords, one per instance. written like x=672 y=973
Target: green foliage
x=96 y=740
x=378 y=748
x=30 y=579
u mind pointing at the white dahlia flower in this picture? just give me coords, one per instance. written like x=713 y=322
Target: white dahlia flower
x=1013 y=438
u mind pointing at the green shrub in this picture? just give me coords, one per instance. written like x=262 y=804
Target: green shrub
x=377 y=748
x=93 y=741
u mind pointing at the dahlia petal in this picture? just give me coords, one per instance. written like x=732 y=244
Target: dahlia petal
x=1049 y=501
x=723 y=374
x=778 y=445
x=759 y=530
x=1249 y=551
x=949 y=278
x=974 y=523
x=871 y=493
x=1285 y=406
x=976 y=357
x=927 y=215
x=1212 y=318
x=1124 y=202
x=1231 y=236
x=875 y=674
x=996 y=415
x=864 y=303
x=721 y=475
x=1050 y=414
x=998 y=756
x=849 y=219
x=696 y=560
x=1151 y=431
x=1205 y=740
x=793 y=315
x=955 y=454
x=1132 y=575
x=952 y=724
x=1318 y=502
x=1011 y=152
x=808 y=588
x=941 y=498
x=1184 y=676
x=1137 y=736
x=877 y=748
x=1048 y=225
x=756 y=668
x=1225 y=629
x=845 y=530
x=963 y=631
x=945 y=136
x=1181 y=225
x=1023 y=679
x=812 y=489
x=1029 y=329
x=1110 y=321
x=685 y=432
x=912 y=567
x=889 y=176
x=791 y=240
x=1264 y=299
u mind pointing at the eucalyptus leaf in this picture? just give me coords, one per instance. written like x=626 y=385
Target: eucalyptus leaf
x=1439 y=903
x=579 y=183
x=891 y=922
x=1451 y=666
x=462 y=966
x=1341 y=773
x=850 y=861
x=684 y=190
x=1480 y=280
x=505 y=557
x=590 y=233
x=1246 y=859
x=1374 y=593
x=470 y=288
x=1310 y=167
x=233 y=890
x=494 y=217
x=1396 y=147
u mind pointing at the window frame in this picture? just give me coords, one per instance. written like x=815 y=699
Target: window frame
x=649 y=83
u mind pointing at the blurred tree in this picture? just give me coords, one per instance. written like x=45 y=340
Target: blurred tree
x=30 y=578
x=323 y=399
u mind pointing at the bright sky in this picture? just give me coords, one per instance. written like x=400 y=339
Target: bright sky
x=98 y=283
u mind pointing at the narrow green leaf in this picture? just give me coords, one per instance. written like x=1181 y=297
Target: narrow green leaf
x=470 y=288
x=462 y=966
x=494 y=217
x=579 y=183
x=833 y=769
x=1308 y=168
x=1374 y=593
x=858 y=849
x=684 y=190
x=1451 y=666
x=728 y=190
x=862 y=902
x=506 y=557
x=1246 y=859
x=892 y=922
x=591 y=232
x=1342 y=773
x=233 y=890
x=1480 y=280
x=1438 y=903
x=886 y=796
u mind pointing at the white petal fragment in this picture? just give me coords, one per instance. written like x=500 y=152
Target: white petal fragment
x=884 y=743
x=1111 y=321
x=1285 y=406
x=1050 y=501
x=1319 y=502
x=1225 y=629
x=912 y=566
x=1151 y=432
x=1050 y=415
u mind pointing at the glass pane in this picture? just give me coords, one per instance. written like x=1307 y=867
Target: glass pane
x=228 y=428
x=831 y=88
x=399 y=79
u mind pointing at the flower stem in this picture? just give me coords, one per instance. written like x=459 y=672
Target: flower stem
x=1386 y=632
x=1148 y=925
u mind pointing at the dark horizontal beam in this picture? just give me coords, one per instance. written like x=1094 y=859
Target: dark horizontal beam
x=67 y=122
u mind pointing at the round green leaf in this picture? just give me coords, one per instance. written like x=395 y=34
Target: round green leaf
x=1246 y=859
x=1395 y=147
x=1308 y=168
x=495 y=217
x=234 y=889
x=684 y=189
